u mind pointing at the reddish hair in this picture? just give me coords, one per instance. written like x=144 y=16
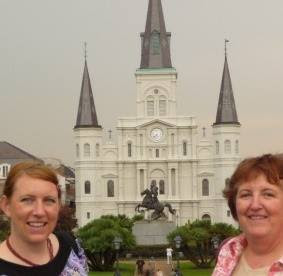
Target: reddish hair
x=32 y=169
x=268 y=165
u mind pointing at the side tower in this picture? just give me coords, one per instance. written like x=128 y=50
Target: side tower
x=226 y=139
x=88 y=141
x=156 y=78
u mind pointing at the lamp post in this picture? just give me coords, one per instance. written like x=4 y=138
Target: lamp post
x=117 y=243
x=178 y=241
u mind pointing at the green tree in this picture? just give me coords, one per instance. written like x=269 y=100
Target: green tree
x=200 y=239
x=97 y=237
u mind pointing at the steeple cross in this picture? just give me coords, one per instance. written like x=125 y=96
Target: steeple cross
x=203 y=131
x=110 y=134
x=226 y=41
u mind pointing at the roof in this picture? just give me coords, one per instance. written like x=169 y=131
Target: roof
x=11 y=154
x=155 y=39
x=226 y=111
x=86 y=116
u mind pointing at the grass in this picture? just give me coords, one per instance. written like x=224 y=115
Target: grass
x=127 y=269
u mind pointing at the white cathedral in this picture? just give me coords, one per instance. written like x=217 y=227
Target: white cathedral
x=157 y=145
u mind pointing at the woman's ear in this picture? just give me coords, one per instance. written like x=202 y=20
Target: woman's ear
x=5 y=205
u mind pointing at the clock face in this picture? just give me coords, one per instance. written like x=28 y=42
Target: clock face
x=156 y=134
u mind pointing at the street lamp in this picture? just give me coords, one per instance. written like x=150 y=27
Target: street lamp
x=178 y=241
x=117 y=243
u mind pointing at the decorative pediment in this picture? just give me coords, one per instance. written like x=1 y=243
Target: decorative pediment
x=156 y=122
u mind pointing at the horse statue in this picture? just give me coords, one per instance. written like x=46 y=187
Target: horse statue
x=151 y=202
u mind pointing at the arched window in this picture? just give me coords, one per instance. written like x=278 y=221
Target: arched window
x=86 y=150
x=155 y=43
x=217 y=147
x=184 y=148
x=205 y=187
x=110 y=188
x=162 y=106
x=236 y=146
x=206 y=217
x=77 y=150
x=227 y=146
x=150 y=106
x=161 y=187
x=87 y=187
x=129 y=149
x=157 y=153
x=97 y=150
x=88 y=215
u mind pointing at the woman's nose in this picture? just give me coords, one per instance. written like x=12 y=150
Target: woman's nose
x=38 y=208
x=255 y=202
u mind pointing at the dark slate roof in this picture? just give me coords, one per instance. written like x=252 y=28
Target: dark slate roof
x=11 y=154
x=66 y=171
x=86 y=112
x=226 y=112
x=155 y=39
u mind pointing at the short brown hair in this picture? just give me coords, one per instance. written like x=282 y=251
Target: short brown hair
x=271 y=166
x=33 y=169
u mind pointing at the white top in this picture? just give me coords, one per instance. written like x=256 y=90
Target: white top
x=169 y=251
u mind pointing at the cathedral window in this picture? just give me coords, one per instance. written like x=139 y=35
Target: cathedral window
x=155 y=43
x=206 y=217
x=110 y=188
x=77 y=150
x=184 y=148
x=161 y=187
x=87 y=187
x=228 y=213
x=88 y=215
x=97 y=150
x=150 y=107
x=129 y=149
x=173 y=181
x=205 y=187
x=217 y=147
x=236 y=146
x=227 y=146
x=162 y=106
x=86 y=150
x=157 y=153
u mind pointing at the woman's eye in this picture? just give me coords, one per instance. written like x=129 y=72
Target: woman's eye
x=27 y=200
x=50 y=200
x=244 y=195
x=268 y=194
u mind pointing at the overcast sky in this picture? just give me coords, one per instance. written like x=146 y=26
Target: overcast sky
x=41 y=65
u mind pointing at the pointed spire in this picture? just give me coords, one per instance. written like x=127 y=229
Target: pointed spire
x=155 y=39
x=226 y=112
x=86 y=112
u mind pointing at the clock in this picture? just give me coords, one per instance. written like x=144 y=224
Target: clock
x=156 y=134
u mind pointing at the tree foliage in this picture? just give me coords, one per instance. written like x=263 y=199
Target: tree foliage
x=97 y=239
x=200 y=240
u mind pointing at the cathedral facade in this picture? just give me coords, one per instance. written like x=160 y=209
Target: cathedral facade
x=157 y=145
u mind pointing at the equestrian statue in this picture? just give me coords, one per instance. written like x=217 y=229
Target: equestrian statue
x=151 y=202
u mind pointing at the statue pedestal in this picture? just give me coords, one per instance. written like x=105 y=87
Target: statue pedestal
x=152 y=233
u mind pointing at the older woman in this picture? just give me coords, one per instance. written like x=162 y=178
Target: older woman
x=31 y=200
x=255 y=198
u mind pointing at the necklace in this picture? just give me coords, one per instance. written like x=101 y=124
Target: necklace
x=13 y=251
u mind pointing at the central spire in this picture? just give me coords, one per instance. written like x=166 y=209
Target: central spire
x=155 y=39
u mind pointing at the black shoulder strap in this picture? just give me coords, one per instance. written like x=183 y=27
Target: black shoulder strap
x=70 y=240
